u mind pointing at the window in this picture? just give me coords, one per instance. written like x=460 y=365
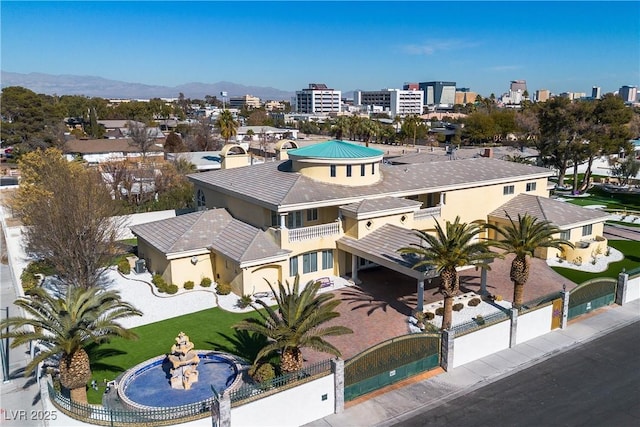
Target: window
x=587 y=230
x=312 y=214
x=373 y=168
x=362 y=168
x=531 y=186
x=200 y=200
x=333 y=171
x=565 y=234
x=274 y=219
x=293 y=266
x=348 y=170
x=294 y=220
x=508 y=189
x=327 y=259
x=310 y=262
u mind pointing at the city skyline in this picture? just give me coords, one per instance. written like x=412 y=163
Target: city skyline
x=560 y=46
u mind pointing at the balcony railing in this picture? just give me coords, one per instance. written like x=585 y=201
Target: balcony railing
x=314 y=232
x=427 y=213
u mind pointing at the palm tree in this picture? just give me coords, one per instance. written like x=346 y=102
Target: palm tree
x=296 y=323
x=227 y=125
x=522 y=238
x=454 y=246
x=66 y=324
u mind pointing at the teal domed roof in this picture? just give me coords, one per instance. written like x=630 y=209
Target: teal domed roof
x=335 y=149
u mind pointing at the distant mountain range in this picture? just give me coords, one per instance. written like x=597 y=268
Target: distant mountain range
x=92 y=86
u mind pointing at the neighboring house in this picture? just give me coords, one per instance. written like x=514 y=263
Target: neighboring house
x=328 y=209
x=105 y=150
x=209 y=160
x=259 y=132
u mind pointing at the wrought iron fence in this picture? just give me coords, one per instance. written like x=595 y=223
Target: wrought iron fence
x=479 y=322
x=633 y=272
x=100 y=415
x=251 y=391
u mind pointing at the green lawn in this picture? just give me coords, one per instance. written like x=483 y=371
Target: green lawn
x=610 y=200
x=208 y=329
x=628 y=224
x=631 y=251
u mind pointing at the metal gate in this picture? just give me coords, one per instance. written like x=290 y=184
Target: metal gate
x=389 y=362
x=592 y=294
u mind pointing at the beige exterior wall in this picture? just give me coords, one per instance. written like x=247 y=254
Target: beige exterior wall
x=183 y=269
x=155 y=260
x=322 y=171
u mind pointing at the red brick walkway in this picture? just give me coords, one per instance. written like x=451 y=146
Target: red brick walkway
x=378 y=309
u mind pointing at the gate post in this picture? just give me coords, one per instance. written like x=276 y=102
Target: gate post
x=446 y=349
x=337 y=366
x=514 y=327
x=225 y=410
x=565 y=307
x=621 y=289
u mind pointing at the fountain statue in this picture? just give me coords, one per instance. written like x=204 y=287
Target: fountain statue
x=184 y=362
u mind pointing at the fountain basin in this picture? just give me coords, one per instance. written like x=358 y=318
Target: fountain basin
x=147 y=385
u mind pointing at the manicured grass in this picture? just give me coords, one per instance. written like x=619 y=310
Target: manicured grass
x=631 y=251
x=625 y=223
x=208 y=329
x=610 y=200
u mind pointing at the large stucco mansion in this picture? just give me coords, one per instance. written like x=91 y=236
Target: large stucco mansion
x=334 y=207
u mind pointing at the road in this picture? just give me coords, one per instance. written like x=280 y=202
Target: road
x=596 y=384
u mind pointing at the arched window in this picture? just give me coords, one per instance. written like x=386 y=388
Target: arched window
x=200 y=201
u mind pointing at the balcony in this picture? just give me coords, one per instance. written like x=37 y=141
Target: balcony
x=427 y=213
x=314 y=232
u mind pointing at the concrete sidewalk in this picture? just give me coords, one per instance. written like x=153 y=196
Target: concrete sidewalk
x=401 y=403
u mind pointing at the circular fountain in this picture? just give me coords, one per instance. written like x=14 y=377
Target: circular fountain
x=185 y=376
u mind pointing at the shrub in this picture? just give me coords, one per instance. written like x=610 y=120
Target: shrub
x=479 y=320
x=189 y=284
x=473 y=302
x=244 y=301
x=29 y=280
x=41 y=266
x=440 y=311
x=497 y=297
x=206 y=282
x=223 y=289
x=420 y=316
x=458 y=306
x=160 y=283
x=429 y=315
x=262 y=372
x=124 y=267
x=171 y=289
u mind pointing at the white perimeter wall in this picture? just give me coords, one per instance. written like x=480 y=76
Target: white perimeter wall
x=633 y=290
x=534 y=323
x=481 y=343
x=293 y=407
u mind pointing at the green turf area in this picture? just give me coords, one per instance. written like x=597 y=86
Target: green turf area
x=631 y=251
x=610 y=200
x=627 y=224
x=208 y=329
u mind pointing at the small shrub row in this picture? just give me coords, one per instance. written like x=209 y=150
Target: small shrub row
x=206 y=282
x=188 y=285
x=124 y=267
x=223 y=288
x=163 y=286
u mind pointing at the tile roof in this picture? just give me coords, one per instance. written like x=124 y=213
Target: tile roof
x=335 y=149
x=274 y=186
x=214 y=228
x=382 y=204
x=559 y=213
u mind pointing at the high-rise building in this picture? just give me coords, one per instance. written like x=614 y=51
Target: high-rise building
x=596 y=92
x=465 y=96
x=439 y=93
x=411 y=86
x=628 y=94
x=518 y=85
x=542 y=95
x=318 y=99
x=394 y=101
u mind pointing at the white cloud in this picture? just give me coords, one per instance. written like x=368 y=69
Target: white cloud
x=432 y=46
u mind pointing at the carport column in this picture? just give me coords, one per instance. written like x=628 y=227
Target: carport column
x=354 y=268
x=446 y=349
x=483 y=282
x=621 y=289
x=420 y=306
x=337 y=366
x=225 y=410
x=565 y=309
x=514 y=327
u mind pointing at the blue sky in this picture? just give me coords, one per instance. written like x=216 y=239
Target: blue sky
x=560 y=46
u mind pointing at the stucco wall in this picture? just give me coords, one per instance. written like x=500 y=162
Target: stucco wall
x=633 y=290
x=156 y=261
x=184 y=269
x=534 y=323
x=481 y=343
x=294 y=407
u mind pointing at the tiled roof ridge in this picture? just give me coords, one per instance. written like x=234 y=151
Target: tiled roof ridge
x=542 y=208
x=204 y=214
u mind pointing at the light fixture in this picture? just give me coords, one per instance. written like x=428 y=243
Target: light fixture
x=194 y=260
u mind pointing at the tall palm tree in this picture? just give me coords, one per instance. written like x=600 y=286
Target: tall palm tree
x=454 y=246
x=227 y=125
x=296 y=323
x=522 y=238
x=65 y=324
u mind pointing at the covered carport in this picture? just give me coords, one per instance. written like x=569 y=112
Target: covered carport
x=381 y=247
